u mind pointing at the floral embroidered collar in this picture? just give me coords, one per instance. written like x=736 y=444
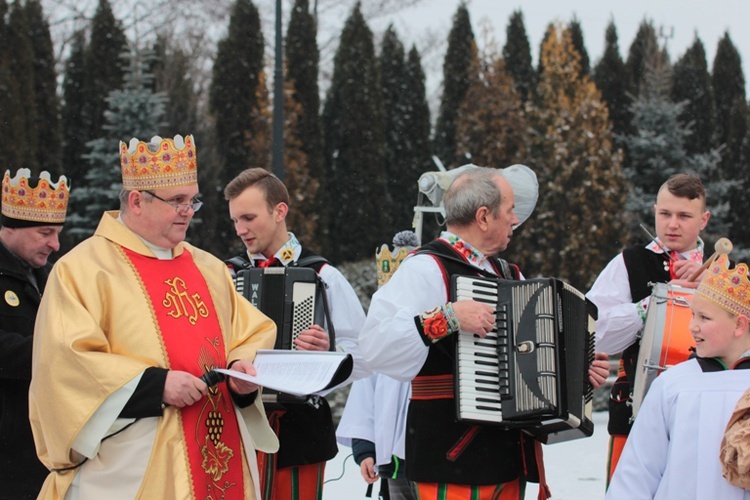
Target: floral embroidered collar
x=288 y=253
x=467 y=251
x=695 y=254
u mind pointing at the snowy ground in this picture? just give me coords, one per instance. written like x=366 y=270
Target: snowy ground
x=575 y=470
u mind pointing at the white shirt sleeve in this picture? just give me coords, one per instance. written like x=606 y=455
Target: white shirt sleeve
x=390 y=341
x=619 y=320
x=347 y=317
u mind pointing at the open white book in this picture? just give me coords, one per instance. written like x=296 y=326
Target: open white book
x=298 y=372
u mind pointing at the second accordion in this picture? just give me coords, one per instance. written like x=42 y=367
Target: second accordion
x=293 y=297
x=531 y=372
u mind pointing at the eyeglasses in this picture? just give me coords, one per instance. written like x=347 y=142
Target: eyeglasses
x=180 y=208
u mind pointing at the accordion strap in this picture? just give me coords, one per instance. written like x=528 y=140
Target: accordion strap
x=312 y=261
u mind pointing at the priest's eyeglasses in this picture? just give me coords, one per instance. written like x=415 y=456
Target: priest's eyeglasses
x=180 y=208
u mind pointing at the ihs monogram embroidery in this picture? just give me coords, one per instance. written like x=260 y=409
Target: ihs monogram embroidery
x=182 y=303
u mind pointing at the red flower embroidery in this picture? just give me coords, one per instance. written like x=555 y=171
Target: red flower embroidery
x=436 y=327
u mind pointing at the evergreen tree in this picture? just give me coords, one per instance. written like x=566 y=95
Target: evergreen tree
x=235 y=88
x=611 y=79
x=47 y=104
x=691 y=83
x=133 y=111
x=418 y=151
x=259 y=142
x=728 y=83
x=302 y=61
x=459 y=57
x=736 y=168
x=74 y=125
x=576 y=34
x=657 y=148
x=11 y=106
x=303 y=188
x=643 y=44
x=21 y=53
x=491 y=128
x=355 y=146
x=517 y=55
x=103 y=66
x=171 y=69
x=407 y=152
x=577 y=225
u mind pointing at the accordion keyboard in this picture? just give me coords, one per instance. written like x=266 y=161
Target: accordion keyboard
x=483 y=363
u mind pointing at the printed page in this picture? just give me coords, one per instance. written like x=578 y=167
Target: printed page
x=297 y=372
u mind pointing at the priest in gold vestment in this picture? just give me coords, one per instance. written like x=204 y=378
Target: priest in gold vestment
x=130 y=321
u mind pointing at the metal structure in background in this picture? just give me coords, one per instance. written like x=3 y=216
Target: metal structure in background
x=432 y=187
x=278 y=100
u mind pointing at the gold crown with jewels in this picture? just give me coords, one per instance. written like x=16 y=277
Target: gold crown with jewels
x=728 y=288
x=160 y=163
x=44 y=203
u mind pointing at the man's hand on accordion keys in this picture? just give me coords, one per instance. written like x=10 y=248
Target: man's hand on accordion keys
x=475 y=317
x=314 y=338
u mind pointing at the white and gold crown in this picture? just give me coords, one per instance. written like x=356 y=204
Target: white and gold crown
x=160 y=163
x=729 y=288
x=45 y=203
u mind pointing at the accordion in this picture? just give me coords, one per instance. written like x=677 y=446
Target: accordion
x=293 y=297
x=531 y=372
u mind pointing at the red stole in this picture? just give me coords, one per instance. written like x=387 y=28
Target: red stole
x=192 y=338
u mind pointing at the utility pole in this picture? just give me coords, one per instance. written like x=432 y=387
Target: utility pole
x=278 y=100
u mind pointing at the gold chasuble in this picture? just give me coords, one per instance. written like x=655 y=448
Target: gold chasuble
x=192 y=338
x=110 y=311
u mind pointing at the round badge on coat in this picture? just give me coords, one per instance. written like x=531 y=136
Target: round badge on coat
x=12 y=299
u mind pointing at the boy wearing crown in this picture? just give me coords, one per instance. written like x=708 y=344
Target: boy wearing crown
x=133 y=318
x=673 y=448
x=33 y=213
x=258 y=206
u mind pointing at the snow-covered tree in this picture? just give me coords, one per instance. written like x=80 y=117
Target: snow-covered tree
x=657 y=150
x=133 y=111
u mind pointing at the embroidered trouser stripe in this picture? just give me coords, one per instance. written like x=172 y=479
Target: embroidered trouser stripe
x=616 y=445
x=299 y=483
x=513 y=490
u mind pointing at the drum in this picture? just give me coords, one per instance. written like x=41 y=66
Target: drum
x=666 y=338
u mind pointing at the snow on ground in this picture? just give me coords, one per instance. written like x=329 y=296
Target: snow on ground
x=576 y=470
